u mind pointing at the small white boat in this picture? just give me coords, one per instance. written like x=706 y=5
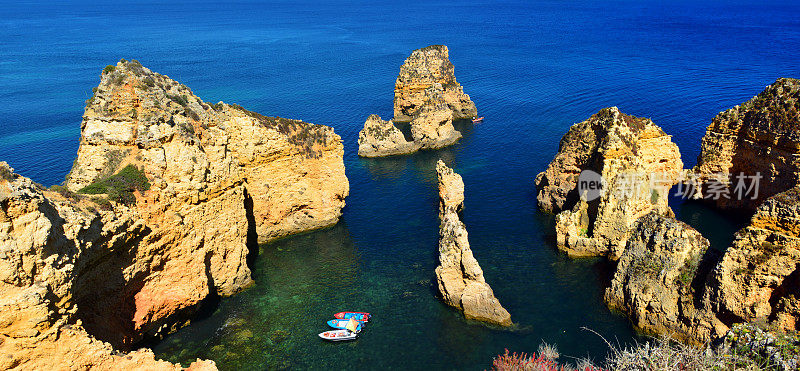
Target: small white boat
x=339 y=335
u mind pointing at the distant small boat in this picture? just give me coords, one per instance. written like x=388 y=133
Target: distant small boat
x=358 y=316
x=338 y=335
x=477 y=119
x=342 y=324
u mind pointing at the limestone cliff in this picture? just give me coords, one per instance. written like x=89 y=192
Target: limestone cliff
x=46 y=242
x=637 y=162
x=427 y=81
x=656 y=280
x=759 y=275
x=171 y=191
x=460 y=278
x=761 y=136
x=381 y=138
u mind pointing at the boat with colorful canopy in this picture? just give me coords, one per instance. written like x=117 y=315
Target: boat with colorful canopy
x=342 y=324
x=358 y=316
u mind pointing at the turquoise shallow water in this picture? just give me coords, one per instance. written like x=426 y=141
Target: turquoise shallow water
x=533 y=68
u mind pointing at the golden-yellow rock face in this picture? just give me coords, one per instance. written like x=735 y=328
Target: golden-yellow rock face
x=221 y=178
x=459 y=277
x=758 y=278
x=761 y=137
x=638 y=163
x=427 y=81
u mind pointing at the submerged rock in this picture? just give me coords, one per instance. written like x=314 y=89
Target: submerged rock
x=427 y=81
x=381 y=138
x=760 y=137
x=459 y=277
x=180 y=189
x=638 y=163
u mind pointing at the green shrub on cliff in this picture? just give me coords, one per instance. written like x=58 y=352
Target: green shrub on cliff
x=64 y=191
x=120 y=186
x=110 y=68
x=5 y=173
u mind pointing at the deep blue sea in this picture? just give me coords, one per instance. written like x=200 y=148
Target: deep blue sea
x=532 y=67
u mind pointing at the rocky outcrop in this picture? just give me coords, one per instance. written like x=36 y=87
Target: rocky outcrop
x=637 y=163
x=427 y=81
x=656 y=279
x=759 y=275
x=293 y=171
x=434 y=129
x=46 y=243
x=460 y=278
x=760 y=137
x=181 y=188
x=381 y=138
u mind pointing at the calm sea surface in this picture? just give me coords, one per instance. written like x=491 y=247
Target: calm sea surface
x=532 y=67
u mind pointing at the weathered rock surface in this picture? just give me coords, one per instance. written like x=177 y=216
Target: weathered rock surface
x=427 y=81
x=46 y=242
x=381 y=138
x=459 y=276
x=434 y=129
x=220 y=177
x=638 y=163
x=759 y=275
x=762 y=136
x=654 y=283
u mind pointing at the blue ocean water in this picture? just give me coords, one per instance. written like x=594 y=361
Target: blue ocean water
x=532 y=67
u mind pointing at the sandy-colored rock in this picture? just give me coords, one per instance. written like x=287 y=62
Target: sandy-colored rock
x=46 y=242
x=381 y=138
x=759 y=275
x=759 y=137
x=460 y=278
x=655 y=280
x=220 y=177
x=427 y=81
x=434 y=129
x=638 y=164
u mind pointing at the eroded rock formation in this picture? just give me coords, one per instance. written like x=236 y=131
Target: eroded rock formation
x=759 y=275
x=654 y=283
x=427 y=81
x=381 y=138
x=46 y=243
x=761 y=136
x=459 y=276
x=638 y=163
x=139 y=262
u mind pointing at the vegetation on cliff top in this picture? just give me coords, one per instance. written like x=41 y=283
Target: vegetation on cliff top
x=299 y=133
x=120 y=186
x=745 y=347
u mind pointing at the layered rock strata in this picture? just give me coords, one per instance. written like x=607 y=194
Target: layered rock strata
x=758 y=138
x=427 y=81
x=637 y=164
x=47 y=245
x=655 y=280
x=758 y=278
x=428 y=96
x=460 y=278
x=381 y=138
x=219 y=178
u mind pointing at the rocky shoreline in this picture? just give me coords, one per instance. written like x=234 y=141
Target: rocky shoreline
x=667 y=280
x=166 y=199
